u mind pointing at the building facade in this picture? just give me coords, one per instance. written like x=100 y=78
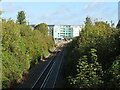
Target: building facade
x=62 y=32
x=50 y=30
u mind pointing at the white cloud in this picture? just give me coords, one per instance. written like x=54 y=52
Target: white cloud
x=62 y=10
x=46 y=16
x=59 y=14
x=9 y=7
x=93 y=6
x=62 y=15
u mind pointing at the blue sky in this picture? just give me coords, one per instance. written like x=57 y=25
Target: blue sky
x=69 y=13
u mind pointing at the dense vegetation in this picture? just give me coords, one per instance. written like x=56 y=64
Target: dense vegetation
x=94 y=57
x=21 y=47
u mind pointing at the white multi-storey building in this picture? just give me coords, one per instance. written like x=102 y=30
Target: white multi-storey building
x=60 y=32
x=76 y=30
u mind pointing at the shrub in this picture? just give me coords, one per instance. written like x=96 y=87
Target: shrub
x=89 y=72
x=21 y=47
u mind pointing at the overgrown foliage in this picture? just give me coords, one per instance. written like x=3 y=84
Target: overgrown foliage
x=100 y=41
x=21 y=47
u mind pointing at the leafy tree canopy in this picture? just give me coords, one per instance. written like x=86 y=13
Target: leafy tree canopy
x=1 y=12
x=21 y=17
x=88 y=21
x=43 y=28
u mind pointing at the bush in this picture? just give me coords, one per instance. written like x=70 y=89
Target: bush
x=21 y=47
x=89 y=72
x=105 y=41
x=112 y=75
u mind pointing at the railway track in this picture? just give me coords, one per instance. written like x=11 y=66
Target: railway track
x=44 y=77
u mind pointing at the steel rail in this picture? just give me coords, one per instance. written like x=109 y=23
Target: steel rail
x=58 y=71
x=43 y=71
x=48 y=76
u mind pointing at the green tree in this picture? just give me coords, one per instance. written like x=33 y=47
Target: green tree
x=21 y=17
x=112 y=75
x=88 y=21
x=104 y=38
x=1 y=12
x=21 y=47
x=88 y=24
x=43 y=28
x=89 y=72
